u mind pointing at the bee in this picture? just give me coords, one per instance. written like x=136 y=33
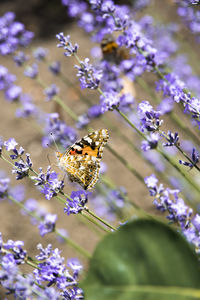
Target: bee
x=111 y=50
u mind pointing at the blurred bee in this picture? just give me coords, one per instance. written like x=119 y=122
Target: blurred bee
x=111 y=50
x=115 y=54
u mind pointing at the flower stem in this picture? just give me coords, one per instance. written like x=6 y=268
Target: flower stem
x=100 y=219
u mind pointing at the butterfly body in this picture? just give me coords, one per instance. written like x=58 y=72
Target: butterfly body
x=82 y=160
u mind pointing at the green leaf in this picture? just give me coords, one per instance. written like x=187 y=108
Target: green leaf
x=143 y=260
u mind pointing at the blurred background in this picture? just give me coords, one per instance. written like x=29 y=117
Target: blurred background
x=46 y=18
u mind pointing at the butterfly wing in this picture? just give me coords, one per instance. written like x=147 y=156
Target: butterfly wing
x=82 y=160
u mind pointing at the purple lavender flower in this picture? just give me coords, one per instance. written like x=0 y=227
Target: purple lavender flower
x=109 y=101
x=20 y=58
x=55 y=67
x=172 y=138
x=6 y=78
x=40 y=53
x=22 y=167
x=75 y=7
x=66 y=44
x=178 y=212
x=13 y=93
x=194 y=158
x=44 y=252
x=166 y=106
x=149 y=117
x=10 y=144
x=51 y=91
x=76 y=205
x=89 y=76
x=75 y=265
x=48 y=224
x=190 y=16
x=16 y=247
x=94 y=111
x=83 y=121
x=13 y=34
x=151 y=143
x=51 y=186
x=62 y=133
x=31 y=71
x=18 y=192
x=27 y=107
x=53 y=271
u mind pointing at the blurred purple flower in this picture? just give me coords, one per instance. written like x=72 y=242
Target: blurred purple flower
x=54 y=67
x=48 y=224
x=31 y=71
x=40 y=53
x=51 y=91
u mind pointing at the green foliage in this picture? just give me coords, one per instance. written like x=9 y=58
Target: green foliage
x=143 y=260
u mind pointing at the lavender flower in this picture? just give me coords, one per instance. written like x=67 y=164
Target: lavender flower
x=66 y=44
x=76 y=205
x=40 y=53
x=149 y=117
x=48 y=224
x=55 y=67
x=53 y=271
x=20 y=58
x=18 y=253
x=27 y=107
x=172 y=138
x=88 y=75
x=167 y=200
x=51 y=91
x=13 y=93
x=13 y=34
x=10 y=144
x=83 y=121
x=109 y=101
x=22 y=167
x=190 y=16
x=49 y=180
x=194 y=158
x=62 y=133
x=94 y=111
x=44 y=252
x=151 y=143
x=31 y=71
x=6 y=78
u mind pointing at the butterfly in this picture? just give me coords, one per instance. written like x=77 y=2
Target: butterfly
x=82 y=160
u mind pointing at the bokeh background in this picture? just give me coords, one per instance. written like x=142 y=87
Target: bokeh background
x=46 y=18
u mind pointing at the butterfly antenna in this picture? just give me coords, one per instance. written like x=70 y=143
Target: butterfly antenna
x=54 y=141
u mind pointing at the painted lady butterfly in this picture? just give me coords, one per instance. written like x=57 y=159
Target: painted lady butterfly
x=82 y=160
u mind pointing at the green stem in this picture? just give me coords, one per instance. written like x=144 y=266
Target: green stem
x=100 y=219
x=92 y=220
x=126 y=164
x=74 y=245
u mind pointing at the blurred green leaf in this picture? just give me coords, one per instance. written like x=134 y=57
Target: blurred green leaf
x=143 y=260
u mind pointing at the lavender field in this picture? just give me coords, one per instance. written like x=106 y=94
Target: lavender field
x=99 y=149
